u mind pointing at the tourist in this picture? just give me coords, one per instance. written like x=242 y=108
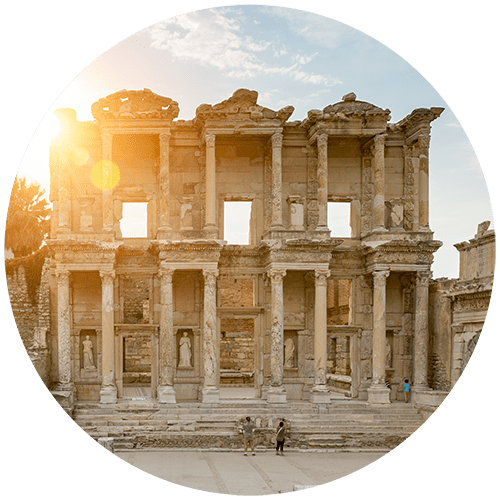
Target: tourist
x=406 y=389
x=248 y=430
x=280 y=437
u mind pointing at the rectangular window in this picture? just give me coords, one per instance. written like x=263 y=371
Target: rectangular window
x=134 y=223
x=237 y=222
x=339 y=219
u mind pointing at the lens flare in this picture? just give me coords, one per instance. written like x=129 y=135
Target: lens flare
x=105 y=175
x=79 y=156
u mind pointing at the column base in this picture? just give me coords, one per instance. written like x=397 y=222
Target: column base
x=166 y=394
x=64 y=394
x=276 y=395
x=378 y=394
x=108 y=394
x=320 y=394
x=210 y=395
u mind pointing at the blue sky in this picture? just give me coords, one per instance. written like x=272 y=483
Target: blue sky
x=290 y=57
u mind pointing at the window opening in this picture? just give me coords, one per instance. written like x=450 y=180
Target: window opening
x=134 y=222
x=237 y=222
x=339 y=218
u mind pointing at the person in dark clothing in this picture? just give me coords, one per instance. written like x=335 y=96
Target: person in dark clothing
x=280 y=437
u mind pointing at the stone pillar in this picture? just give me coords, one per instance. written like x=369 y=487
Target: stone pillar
x=108 y=387
x=378 y=392
x=210 y=191
x=166 y=392
x=408 y=188
x=421 y=345
x=319 y=392
x=276 y=213
x=164 y=181
x=323 y=181
x=423 y=182
x=379 y=183
x=64 y=330
x=210 y=392
x=107 y=172
x=64 y=201
x=276 y=393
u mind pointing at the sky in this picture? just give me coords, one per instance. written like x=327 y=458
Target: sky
x=290 y=57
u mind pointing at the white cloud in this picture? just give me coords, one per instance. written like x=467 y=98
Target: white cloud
x=213 y=38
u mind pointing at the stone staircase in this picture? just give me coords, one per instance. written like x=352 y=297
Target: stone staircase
x=342 y=424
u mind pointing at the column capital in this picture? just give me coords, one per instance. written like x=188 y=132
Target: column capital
x=380 y=277
x=107 y=277
x=210 y=140
x=423 y=142
x=165 y=275
x=321 y=276
x=210 y=275
x=423 y=278
x=277 y=139
x=379 y=141
x=322 y=140
x=276 y=275
x=165 y=135
x=107 y=139
x=63 y=276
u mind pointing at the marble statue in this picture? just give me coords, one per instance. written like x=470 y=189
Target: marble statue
x=88 y=355
x=185 y=351
x=289 y=353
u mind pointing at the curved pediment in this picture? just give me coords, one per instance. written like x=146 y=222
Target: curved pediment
x=133 y=105
x=349 y=111
x=242 y=106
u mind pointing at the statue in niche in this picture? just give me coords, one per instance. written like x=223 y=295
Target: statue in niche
x=289 y=353
x=185 y=351
x=88 y=355
x=388 y=353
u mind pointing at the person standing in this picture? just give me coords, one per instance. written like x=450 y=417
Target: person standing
x=406 y=389
x=280 y=437
x=248 y=430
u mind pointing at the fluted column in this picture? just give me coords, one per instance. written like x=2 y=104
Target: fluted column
x=421 y=346
x=210 y=392
x=378 y=392
x=107 y=191
x=323 y=181
x=166 y=392
x=379 y=183
x=319 y=392
x=164 y=180
x=210 y=192
x=63 y=329
x=108 y=386
x=423 y=182
x=276 y=213
x=276 y=393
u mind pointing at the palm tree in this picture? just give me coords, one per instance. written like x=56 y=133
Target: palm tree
x=27 y=219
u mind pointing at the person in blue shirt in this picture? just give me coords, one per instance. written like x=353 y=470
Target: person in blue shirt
x=406 y=389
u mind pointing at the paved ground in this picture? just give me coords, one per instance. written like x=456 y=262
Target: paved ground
x=235 y=474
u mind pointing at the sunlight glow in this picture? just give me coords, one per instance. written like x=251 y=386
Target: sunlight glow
x=105 y=175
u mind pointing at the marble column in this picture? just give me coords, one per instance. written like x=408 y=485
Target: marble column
x=107 y=172
x=379 y=182
x=378 y=392
x=323 y=181
x=276 y=392
x=108 y=386
x=423 y=182
x=276 y=213
x=210 y=190
x=421 y=340
x=64 y=330
x=164 y=181
x=64 y=201
x=210 y=391
x=166 y=391
x=319 y=392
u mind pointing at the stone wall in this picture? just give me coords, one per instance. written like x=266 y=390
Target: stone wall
x=237 y=351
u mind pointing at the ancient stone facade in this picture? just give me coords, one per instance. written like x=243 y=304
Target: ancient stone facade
x=298 y=311
x=459 y=307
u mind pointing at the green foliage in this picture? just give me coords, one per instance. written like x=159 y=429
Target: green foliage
x=28 y=221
